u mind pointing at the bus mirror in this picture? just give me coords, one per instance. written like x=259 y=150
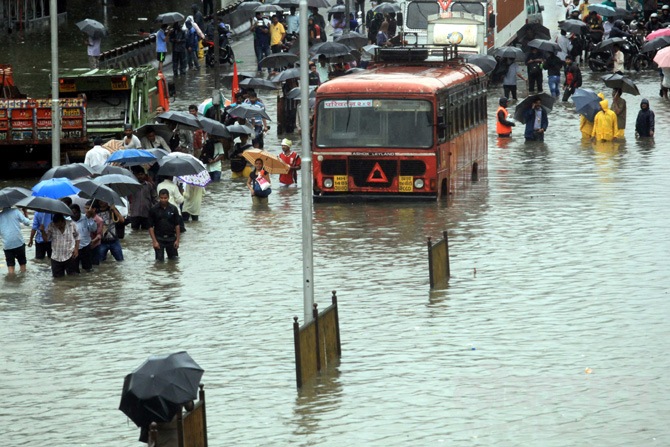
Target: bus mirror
x=492 y=20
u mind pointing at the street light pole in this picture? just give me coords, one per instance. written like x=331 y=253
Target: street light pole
x=55 y=106
x=306 y=169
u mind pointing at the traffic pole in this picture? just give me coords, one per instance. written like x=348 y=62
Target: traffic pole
x=55 y=106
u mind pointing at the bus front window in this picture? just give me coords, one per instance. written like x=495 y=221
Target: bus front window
x=384 y=123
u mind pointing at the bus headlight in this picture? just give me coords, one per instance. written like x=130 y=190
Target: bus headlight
x=418 y=183
x=328 y=183
x=319 y=158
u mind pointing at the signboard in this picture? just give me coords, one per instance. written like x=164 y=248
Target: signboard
x=343 y=103
x=455 y=34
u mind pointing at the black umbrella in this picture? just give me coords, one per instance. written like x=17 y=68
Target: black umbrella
x=387 y=8
x=295 y=93
x=70 y=171
x=278 y=60
x=352 y=40
x=179 y=163
x=213 y=127
x=257 y=84
x=239 y=129
x=330 y=49
x=44 y=204
x=248 y=6
x=93 y=190
x=544 y=45
x=158 y=153
x=159 y=128
x=291 y=73
x=607 y=43
x=181 y=118
x=296 y=3
x=483 y=61
x=619 y=81
x=510 y=53
x=92 y=27
x=107 y=169
x=269 y=8
x=655 y=45
x=532 y=31
x=248 y=111
x=547 y=105
x=12 y=194
x=155 y=391
x=574 y=26
x=227 y=80
x=122 y=184
x=169 y=17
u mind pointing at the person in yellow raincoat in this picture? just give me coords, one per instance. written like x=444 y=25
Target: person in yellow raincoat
x=586 y=127
x=605 y=126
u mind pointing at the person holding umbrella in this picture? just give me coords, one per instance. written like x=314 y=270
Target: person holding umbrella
x=536 y=122
x=619 y=108
x=534 y=62
x=13 y=243
x=85 y=225
x=93 y=50
x=164 y=227
x=161 y=45
x=259 y=183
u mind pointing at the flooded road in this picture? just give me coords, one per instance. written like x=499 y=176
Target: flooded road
x=559 y=264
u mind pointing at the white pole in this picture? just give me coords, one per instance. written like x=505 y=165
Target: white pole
x=55 y=107
x=306 y=169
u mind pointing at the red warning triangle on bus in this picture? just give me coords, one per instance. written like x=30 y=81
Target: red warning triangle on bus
x=377 y=175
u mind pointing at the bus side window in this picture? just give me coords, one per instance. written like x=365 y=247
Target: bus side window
x=442 y=127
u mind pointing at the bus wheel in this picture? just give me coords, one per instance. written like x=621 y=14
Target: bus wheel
x=475 y=173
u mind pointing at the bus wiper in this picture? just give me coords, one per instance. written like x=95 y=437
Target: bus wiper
x=346 y=129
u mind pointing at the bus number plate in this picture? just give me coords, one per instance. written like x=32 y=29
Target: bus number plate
x=405 y=183
x=341 y=183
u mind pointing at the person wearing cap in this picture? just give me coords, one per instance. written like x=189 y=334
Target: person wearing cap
x=503 y=126
x=130 y=140
x=665 y=14
x=653 y=24
x=292 y=159
x=97 y=155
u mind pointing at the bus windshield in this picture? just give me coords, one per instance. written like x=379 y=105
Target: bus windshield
x=383 y=123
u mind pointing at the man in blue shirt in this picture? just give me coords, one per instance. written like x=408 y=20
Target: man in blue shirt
x=161 y=45
x=42 y=247
x=192 y=46
x=12 y=239
x=292 y=23
x=85 y=226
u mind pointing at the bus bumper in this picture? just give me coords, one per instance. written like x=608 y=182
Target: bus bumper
x=366 y=197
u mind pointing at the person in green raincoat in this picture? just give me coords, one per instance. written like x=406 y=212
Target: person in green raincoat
x=605 y=126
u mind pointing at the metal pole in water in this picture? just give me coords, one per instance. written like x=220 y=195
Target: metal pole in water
x=55 y=107
x=306 y=169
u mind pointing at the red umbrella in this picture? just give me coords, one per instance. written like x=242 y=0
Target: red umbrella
x=658 y=33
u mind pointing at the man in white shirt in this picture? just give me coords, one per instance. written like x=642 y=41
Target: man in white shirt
x=130 y=140
x=152 y=141
x=93 y=51
x=98 y=155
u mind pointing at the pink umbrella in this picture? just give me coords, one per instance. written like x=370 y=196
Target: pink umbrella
x=658 y=33
x=662 y=58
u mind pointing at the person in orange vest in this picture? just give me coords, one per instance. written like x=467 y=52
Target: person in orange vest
x=503 y=126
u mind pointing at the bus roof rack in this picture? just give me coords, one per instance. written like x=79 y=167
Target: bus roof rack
x=416 y=53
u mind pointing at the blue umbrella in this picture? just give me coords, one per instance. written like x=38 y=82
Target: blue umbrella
x=55 y=188
x=587 y=103
x=130 y=157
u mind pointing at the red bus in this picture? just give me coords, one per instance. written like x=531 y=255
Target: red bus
x=414 y=130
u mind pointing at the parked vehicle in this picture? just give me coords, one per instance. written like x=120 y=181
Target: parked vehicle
x=226 y=54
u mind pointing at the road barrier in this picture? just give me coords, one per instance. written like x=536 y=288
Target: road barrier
x=316 y=343
x=438 y=261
